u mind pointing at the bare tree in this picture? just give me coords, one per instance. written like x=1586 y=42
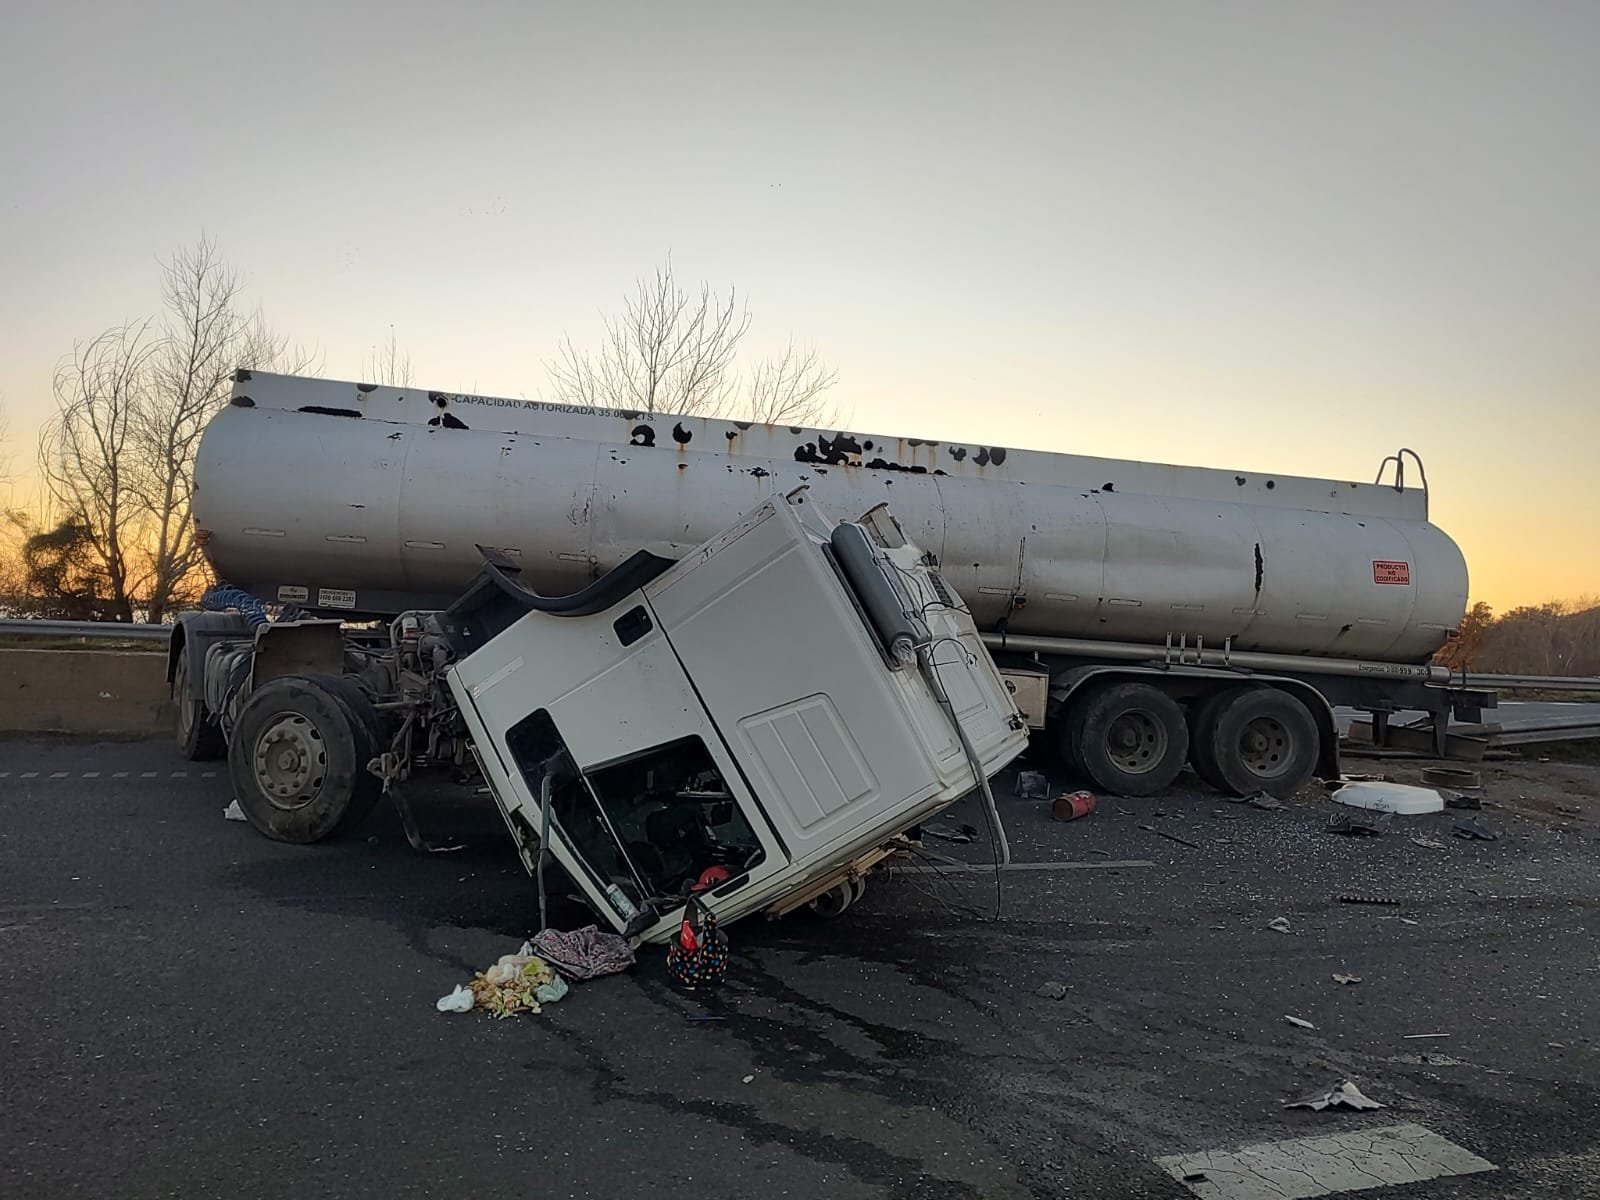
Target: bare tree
x=388 y=364
x=673 y=352
x=88 y=451
x=130 y=408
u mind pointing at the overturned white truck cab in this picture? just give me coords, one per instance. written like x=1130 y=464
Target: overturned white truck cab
x=755 y=721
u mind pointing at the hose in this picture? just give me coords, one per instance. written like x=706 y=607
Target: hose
x=930 y=671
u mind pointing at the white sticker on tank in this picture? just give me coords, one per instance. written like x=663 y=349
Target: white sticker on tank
x=293 y=595
x=335 y=598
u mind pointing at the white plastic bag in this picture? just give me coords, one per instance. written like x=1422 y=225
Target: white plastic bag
x=457 y=1001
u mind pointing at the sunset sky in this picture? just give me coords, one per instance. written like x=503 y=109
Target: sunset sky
x=1284 y=237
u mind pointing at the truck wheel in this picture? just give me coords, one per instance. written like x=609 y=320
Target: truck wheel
x=1202 y=728
x=199 y=737
x=1261 y=739
x=1131 y=738
x=835 y=900
x=370 y=742
x=295 y=761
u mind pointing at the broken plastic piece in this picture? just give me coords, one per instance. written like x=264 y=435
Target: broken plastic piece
x=1052 y=991
x=1457 y=800
x=1341 y=978
x=1428 y=843
x=457 y=1001
x=1474 y=829
x=1298 y=1022
x=1279 y=924
x=1264 y=801
x=951 y=833
x=1399 y=798
x=1344 y=1095
x=1353 y=899
x=1358 y=824
x=233 y=812
x=1032 y=785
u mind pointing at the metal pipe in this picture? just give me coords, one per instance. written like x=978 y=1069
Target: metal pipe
x=1137 y=652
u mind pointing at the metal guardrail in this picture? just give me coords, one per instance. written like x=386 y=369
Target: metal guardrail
x=117 y=631
x=121 y=631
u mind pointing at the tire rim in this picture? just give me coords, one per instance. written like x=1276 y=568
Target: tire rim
x=1264 y=747
x=1136 y=742
x=290 y=761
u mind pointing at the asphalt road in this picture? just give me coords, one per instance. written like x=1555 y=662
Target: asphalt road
x=189 y=1010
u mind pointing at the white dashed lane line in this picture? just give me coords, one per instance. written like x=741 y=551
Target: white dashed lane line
x=80 y=775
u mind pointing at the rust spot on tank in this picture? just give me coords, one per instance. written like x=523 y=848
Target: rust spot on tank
x=865 y=446
x=981 y=458
x=1271 y=484
x=1260 y=570
x=1239 y=479
x=1108 y=487
x=730 y=435
x=242 y=402
x=448 y=421
x=744 y=424
x=439 y=398
x=680 y=434
x=997 y=454
x=642 y=435
x=759 y=472
x=958 y=452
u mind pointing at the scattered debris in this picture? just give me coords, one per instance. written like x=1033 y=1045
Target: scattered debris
x=1474 y=829
x=1341 y=978
x=1354 y=777
x=1171 y=837
x=1279 y=925
x=233 y=812
x=1450 y=777
x=1428 y=843
x=1265 y=802
x=458 y=1001
x=1298 y=1022
x=749 y=1079
x=1343 y=1095
x=1195 y=1177
x=951 y=833
x=517 y=983
x=1415 y=1037
x=1032 y=785
x=1409 y=921
x=1072 y=805
x=582 y=954
x=1358 y=824
x=1458 y=800
x=1399 y=798
x=1354 y=899
x=1052 y=991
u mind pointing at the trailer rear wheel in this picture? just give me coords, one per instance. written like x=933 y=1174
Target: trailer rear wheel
x=295 y=761
x=1260 y=739
x=1202 y=730
x=198 y=735
x=1130 y=738
x=368 y=730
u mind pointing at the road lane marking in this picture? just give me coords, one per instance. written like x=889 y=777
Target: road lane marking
x=1302 y=1168
x=29 y=775
x=59 y=774
x=119 y=774
x=91 y=774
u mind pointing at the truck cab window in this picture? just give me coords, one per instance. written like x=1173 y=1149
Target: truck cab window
x=651 y=824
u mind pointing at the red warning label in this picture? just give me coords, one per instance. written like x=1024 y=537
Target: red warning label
x=1384 y=571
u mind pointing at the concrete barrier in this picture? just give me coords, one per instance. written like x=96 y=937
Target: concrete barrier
x=120 y=693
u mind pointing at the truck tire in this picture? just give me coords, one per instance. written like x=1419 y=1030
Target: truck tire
x=1131 y=738
x=199 y=737
x=295 y=761
x=1202 y=727
x=370 y=742
x=1258 y=739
